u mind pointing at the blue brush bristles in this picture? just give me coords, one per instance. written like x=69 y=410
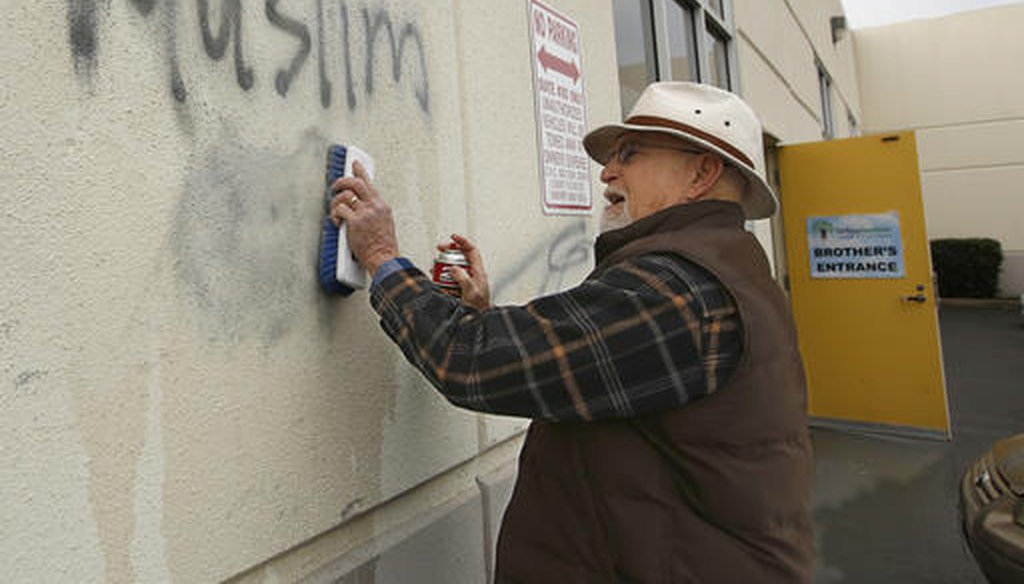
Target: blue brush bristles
x=329 y=233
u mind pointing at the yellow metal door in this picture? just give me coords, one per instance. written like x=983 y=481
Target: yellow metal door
x=860 y=282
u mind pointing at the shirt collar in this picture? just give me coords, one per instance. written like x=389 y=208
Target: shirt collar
x=674 y=218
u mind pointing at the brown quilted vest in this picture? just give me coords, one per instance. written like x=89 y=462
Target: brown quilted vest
x=716 y=492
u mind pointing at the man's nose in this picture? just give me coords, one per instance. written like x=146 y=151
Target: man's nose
x=610 y=171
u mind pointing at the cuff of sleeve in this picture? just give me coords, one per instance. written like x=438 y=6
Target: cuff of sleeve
x=390 y=267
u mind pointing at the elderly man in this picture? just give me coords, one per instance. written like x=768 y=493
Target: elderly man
x=669 y=440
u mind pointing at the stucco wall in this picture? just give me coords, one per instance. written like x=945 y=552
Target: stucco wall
x=178 y=400
x=956 y=81
x=777 y=45
x=778 y=41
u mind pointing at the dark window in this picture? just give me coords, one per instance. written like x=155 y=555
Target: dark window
x=672 y=40
x=634 y=48
x=682 y=42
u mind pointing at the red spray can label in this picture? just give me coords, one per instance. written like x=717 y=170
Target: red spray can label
x=442 y=274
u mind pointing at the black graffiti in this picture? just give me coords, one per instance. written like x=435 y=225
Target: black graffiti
x=171 y=46
x=409 y=32
x=350 y=85
x=223 y=28
x=568 y=249
x=300 y=31
x=230 y=27
x=325 y=83
x=82 y=27
x=144 y=6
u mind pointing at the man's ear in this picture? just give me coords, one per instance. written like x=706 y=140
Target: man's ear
x=709 y=168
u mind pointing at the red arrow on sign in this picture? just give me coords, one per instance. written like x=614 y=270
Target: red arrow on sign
x=549 y=61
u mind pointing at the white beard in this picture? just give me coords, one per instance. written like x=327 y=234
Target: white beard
x=619 y=220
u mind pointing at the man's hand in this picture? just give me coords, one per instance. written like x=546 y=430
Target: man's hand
x=476 y=292
x=371 y=228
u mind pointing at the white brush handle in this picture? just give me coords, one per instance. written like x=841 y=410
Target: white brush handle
x=349 y=271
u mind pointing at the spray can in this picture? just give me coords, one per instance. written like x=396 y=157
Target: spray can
x=442 y=274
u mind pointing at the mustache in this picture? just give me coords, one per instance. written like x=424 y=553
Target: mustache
x=611 y=195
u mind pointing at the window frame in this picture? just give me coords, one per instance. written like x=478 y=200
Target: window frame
x=705 y=22
x=662 y=39
x=650 y=39
x=713 y=29
x=851 y=121
x=828 y=122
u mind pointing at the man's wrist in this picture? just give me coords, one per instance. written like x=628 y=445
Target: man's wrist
x=389 y=267
x=373 y=263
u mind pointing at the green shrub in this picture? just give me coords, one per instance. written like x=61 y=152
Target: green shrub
x=967 y=268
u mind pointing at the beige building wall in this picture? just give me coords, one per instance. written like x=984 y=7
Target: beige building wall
x=178 y=399
x=956 y=80
x=779 y=44
x=179 y=402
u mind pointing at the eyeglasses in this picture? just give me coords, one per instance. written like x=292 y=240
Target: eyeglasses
x=627 y=149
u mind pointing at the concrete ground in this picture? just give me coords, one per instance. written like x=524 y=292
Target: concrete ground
x=885 y=508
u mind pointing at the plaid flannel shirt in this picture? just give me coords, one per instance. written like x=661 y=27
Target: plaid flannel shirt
x=651 y=333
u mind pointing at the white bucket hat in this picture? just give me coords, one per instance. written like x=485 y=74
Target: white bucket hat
x=712 y=119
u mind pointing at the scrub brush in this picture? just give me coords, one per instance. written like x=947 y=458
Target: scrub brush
x=340 y=273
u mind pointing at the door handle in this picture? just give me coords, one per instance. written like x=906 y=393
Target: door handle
x=919 y=298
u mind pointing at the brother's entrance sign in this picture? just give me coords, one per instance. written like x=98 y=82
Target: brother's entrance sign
x=561 y=111
x=855 y=246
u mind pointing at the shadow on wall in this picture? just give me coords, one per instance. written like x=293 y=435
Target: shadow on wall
x=234 y=237
x=333 y=37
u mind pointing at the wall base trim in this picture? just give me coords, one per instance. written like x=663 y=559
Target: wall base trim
x=878 y=429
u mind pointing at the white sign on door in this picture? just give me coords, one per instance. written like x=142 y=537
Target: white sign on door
x=856 y=246
x=561 y=111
